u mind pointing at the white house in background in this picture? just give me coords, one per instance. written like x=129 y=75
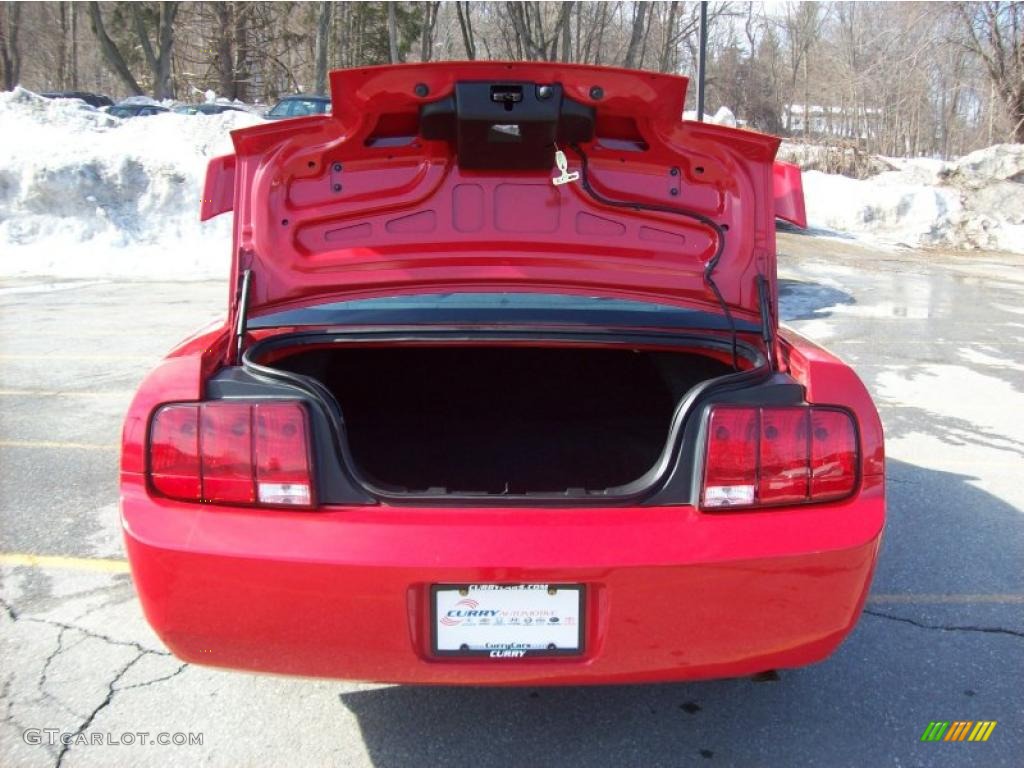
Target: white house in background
x=844 y=122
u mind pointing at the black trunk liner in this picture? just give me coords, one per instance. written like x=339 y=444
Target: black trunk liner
x=509 y=419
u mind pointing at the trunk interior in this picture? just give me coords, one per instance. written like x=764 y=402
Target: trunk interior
x=504 y=420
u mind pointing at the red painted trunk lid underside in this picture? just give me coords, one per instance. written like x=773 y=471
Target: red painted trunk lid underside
x=357 y=204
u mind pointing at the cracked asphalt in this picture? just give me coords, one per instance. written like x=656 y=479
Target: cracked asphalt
x=939 y=340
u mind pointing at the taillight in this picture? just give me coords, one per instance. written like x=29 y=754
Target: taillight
x=778 y=455
x=225 y=450
x=730 y=472
x=232 y=453
x=282 y=455
x=174 y=452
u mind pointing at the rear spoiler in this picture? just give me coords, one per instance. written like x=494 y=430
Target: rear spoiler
x=789 y=194
x=219 y=189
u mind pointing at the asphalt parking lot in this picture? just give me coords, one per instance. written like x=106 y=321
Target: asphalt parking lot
x=939 y=340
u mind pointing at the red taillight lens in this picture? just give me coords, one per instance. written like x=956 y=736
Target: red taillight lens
x=282 y=454
x=833 y=454
x=174 y=452
x=783 y=470
x=232 y=453
x=730 y=472
x=225 y=447
x=779 y=455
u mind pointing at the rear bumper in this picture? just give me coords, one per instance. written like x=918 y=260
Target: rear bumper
x=672 y=594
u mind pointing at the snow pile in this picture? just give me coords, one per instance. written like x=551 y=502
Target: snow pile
x=837 y=158
x=974 y=202
x=724 y=116
x=83 y=193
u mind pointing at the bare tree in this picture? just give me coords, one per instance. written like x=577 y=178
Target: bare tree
x=62 y=44
x=565 y=23
x=111 y=53
x=994 y=33
x=640 y=14
x=158 y=59
x=323 y=29
x=430 y=13
x=890 y=78
x=466 y=27
x=74 y=45
x=395 y=57
x=803 y=24
x=665 y=61
x=10 y=51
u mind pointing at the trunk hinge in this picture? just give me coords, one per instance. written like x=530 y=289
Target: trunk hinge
x=243 y=314
x=767 y=333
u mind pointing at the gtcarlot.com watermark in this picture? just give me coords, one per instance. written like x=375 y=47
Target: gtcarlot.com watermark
x=55 y=736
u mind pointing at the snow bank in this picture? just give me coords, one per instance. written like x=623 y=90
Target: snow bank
x=974 y=202
x=833 y=159
x=83 y=193
x=723 y=116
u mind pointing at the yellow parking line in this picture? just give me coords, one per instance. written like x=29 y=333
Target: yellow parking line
x=76 y=357
x=121 y=566
x=58 y=444
x=65 y=563
x=140 y=333
x=59 y=393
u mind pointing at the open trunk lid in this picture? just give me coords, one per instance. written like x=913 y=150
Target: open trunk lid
x=437 y=178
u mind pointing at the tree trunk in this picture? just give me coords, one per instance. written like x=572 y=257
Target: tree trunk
x=10 y=52
x=159 y=60
x=323 y=28
x=62 y=47
x=225 y=50
x=430 y=12
x=111 y=53
x=519 y=25
x=74 y=46
x=163 y=86
x=241 y=13
x=994 y=34
x=599 y=48
x=343 y=55
x=665 y=61
x=636 y=37
x=567 y=31
x=462 y=10
x=393 y=35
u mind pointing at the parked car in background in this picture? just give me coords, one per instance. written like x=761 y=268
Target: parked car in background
x=206 y=109
x=484 y=412
x=92 y=99
x=135 y=109
x=299 y=106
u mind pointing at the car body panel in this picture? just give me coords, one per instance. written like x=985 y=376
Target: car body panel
x=218 y=188
x=323 y=213
x=827 y=379
x=788 y=189
x=671 y=593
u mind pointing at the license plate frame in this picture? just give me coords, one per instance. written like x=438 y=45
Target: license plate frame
x=519 y=587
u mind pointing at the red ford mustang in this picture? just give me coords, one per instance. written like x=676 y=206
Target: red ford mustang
x=502 y=398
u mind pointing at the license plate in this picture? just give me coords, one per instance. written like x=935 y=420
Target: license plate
x=507 y=621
